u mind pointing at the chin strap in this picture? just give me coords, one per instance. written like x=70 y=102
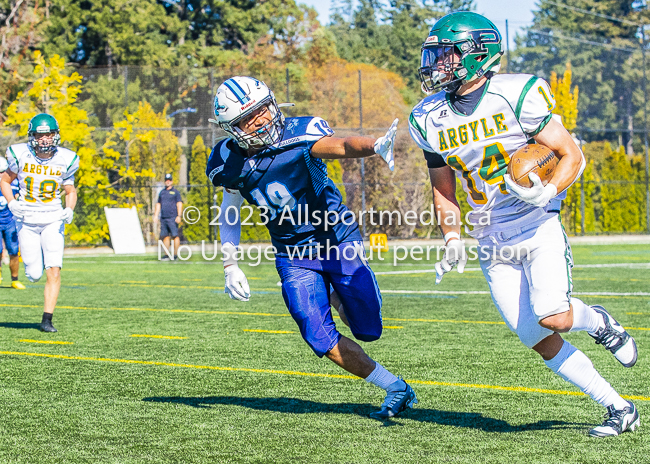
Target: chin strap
x=453 y=86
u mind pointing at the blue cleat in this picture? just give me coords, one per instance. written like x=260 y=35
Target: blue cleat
x=395 y=403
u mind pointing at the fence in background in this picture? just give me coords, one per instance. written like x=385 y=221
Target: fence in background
x=354 y=104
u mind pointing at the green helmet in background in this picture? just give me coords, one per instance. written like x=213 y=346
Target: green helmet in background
x=43 y=124
x=460 y=48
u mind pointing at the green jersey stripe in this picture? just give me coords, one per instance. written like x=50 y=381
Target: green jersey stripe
x=542 y=125
x=13 y=154
x=73 y=160
x=415 y=124
x=520 y=103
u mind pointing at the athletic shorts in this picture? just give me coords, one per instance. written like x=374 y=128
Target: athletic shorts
x=168 y=227
x=306 y=289
x=9 y=235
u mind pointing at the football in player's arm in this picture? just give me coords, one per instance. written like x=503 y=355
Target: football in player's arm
x=276 y=164
x=468 y=126
x=42 y=169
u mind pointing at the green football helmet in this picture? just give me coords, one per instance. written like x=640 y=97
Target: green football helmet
x=460 y=48
x=43 y=124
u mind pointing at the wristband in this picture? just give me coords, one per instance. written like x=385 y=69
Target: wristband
x=450 y=235
x=229 y=252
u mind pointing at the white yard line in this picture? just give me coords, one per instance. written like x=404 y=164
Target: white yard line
x=473 y=269
x=485 y=292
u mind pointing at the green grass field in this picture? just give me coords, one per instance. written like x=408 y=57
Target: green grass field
x=226 y=393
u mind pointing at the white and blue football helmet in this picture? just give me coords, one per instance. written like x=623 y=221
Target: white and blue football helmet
x=238 y=98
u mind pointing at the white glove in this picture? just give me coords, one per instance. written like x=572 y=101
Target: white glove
x=384 y=145
x=236 y=284
x=19 y=208
x=66 y=215
x=537 y=195
x=455 y=255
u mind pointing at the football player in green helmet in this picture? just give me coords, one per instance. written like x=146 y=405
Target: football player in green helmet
x=43 y=135
x=468 y=127
x=43 y=170
x=461 y=48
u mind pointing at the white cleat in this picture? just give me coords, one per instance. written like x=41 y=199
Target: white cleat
x=617 y=421
x=615 y=339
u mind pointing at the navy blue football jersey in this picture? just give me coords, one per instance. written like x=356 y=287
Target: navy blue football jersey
x=5 y=215
x=290 y=182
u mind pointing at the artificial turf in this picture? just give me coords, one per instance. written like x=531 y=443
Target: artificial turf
x=224 y=392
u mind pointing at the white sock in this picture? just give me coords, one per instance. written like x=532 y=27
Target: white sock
x=584 y=317
x=381 y=377
x=573 y=366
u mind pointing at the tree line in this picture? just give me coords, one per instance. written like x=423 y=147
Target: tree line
x=181 y=49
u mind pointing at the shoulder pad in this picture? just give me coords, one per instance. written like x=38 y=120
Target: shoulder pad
x=223 y=166
x=511 y=86
x=428 y=104
x=217 y=159
x=306 y=129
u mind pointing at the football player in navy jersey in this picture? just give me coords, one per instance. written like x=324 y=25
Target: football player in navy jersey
x=276 y=164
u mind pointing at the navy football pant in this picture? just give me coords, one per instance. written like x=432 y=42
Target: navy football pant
x=305 y=288
x=9 y=234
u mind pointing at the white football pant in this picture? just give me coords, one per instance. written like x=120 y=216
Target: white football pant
x=41 y=247
x=529 y=273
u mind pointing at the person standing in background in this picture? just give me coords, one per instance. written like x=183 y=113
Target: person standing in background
x=169 y=209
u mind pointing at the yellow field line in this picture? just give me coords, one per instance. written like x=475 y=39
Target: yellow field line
x=199 y=311
x=516 y=389
x=245 y=313
x=270 y=331
x=169 y=337
x=441 y=320
x=190 y=366
x=393 y=327
x=47 y=342
x=309 y=374
x=395 y=292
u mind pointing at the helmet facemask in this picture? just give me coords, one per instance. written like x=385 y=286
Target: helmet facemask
x=441 y=68
x=44 y=145
x=464 y=60
x=262 y=138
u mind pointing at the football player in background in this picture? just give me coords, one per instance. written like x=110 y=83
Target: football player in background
x=42 y=169
x=468 y=126
x=9 y=234
x=276 y=164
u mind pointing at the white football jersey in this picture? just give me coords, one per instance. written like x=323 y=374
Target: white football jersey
x=513 y=109
x=40 y=180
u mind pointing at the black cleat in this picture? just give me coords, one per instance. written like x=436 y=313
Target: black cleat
x=46 y=326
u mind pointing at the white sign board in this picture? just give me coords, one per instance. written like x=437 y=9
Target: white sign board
x=124 y=228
